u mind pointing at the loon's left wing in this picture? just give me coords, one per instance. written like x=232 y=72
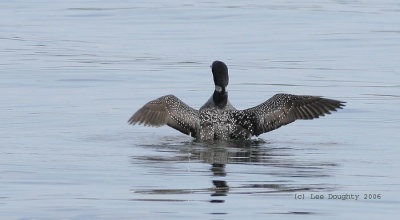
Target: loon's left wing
x=283 y=109
x=168 y=110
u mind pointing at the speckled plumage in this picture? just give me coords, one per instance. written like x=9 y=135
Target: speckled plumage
x=217 y=119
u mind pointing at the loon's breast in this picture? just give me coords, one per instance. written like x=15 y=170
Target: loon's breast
x=219 y=123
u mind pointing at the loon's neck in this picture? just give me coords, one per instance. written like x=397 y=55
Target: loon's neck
x=220 y=96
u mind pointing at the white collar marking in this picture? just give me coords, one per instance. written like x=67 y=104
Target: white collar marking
x=219 y=88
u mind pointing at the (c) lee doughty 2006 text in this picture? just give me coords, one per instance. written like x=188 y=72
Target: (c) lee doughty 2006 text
x=333 y=196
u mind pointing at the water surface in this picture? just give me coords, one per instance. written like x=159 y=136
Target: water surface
x=72 y=73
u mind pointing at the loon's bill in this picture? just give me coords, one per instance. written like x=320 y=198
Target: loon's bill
x=217 y=119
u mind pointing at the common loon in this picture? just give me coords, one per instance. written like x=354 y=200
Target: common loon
x=217 y=119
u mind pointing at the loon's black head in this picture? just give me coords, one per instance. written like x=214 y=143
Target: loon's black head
x=220 y=72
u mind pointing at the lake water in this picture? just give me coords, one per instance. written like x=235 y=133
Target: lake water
x=73 y=72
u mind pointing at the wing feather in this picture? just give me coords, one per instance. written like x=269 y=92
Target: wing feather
x=168 y=110
x=283 y=109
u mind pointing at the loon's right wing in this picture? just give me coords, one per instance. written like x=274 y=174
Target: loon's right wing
x=283 y=109
x=168 y=110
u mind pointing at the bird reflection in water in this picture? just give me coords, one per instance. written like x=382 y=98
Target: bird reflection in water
x=218 y=155
x=221 y=187
x=277 y=162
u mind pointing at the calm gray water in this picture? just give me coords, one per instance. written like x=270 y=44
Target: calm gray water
x=73 y=72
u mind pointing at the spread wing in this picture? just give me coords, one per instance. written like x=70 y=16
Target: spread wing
x=283 y=109
x=168 y=110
